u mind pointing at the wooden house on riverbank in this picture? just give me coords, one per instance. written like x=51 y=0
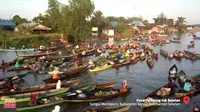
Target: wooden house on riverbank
x=27 y=28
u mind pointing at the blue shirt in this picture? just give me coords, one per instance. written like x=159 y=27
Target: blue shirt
x=187 y=86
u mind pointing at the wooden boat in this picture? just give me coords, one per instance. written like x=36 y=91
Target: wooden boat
x=154 y=95
x=37 y=55
x=175 y=41
x=171 y=70
x=110 y=109
x=41 y=87
x=4 y=83
x=95 y=98
x=4 y=66
x=150 y=62
x=178 y=55
x=66 y=75
x=165 y=55
x=14 y=77
x=125 y=63
x=196 y=108
x=191 y=53
x=51 y=93
x=53 y=48
x=18 y=69
x=196 y=38
x=190 y=57
x=14 y=61
x=17 y=50
x=97 y=69
x=190 y=46
x=87 y=53
x=180 y=94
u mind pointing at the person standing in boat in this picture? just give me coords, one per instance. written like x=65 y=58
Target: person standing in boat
x=124 y=86
x=172 y=85
x=3 y=62
x=17 y=65
x=75 y=61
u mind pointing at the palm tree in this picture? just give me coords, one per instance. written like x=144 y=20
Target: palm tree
x=180 y=24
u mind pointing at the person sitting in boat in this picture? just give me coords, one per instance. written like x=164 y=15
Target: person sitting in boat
x=196 y=108
x=17 y=65
x=10 y=84
x=83 y=53
x=44 y=48
x=41 y=46
x=172 y=85
x=91 y=63
x=23 y=47
x=171 y=55
x=127 y=52
x=3 y=62
x=142 y=54
x=77 y=47
x=80 y=94
x=55 y=73
x=34 y=100
x=165 y=90
x=75 y=61
x=124 y=86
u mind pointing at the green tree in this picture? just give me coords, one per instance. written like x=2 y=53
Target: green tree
x=19 y=20
x=54 y=14
x=180 y=24
x=99 y=21
x=120 y=28
x=160 y=20
x=42 y=19
x=74 y=19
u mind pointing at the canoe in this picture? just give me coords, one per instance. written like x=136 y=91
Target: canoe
x=175 y=41
x=18 y=69
x=190 y=46
x=110 y=109
x=54 y=48
x=37 y=55
x=97 y=69
x=35 y=88
x=4 y=66
x=154 y=95
x=43 y=92
x=51 y=93
x=191 y=53
x=17 y=50
x=67 y=74
x=150 y=63
x=22 y=109
x=177 y=55
x=190 y=57
x=162 y=53
x=95 y=98
x=13 y=78
x=14 y=61
x=197 y=108
x=196 y=38
x=117 y=65
x=173 y=76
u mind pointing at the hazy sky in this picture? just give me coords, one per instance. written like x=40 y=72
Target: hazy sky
x=149 y=9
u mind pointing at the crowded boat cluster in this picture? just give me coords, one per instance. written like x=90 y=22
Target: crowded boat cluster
x=59 y=87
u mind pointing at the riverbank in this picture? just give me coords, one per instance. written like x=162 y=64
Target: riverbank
x=11 y=39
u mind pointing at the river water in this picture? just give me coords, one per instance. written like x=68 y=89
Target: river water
x=142 y=80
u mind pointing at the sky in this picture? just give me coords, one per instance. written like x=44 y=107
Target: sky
x=148 y=9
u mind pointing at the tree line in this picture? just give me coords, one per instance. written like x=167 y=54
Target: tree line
x=79 y=16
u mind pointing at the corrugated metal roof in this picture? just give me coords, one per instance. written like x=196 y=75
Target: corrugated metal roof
x=136 y=22
x=7 y=24
x=114 y=23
